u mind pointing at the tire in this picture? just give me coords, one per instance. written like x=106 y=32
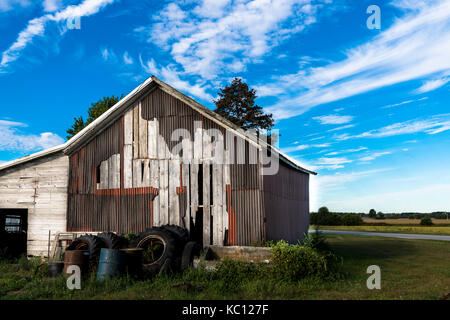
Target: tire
x=159 y=245
x=92 y=244
x=191 y=250
x=181 y=233
x=112 y=240
x=182 y=237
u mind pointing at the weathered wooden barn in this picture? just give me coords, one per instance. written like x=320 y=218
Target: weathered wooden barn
x=158 y=157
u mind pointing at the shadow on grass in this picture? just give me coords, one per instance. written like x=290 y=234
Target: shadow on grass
x=358 y=247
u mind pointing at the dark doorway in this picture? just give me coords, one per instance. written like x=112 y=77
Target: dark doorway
x=13 y=232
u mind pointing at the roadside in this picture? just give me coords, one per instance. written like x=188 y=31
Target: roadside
x=389 y=235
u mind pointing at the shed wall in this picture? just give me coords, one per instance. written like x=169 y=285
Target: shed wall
x=286 y=201
x=41 y=187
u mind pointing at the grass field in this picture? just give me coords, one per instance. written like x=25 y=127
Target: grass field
x=410 y=269
x=434 y=230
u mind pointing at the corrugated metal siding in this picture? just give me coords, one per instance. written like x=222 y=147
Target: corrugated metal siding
x=286 y=202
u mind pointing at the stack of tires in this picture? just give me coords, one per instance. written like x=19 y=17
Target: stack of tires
x=164 y=249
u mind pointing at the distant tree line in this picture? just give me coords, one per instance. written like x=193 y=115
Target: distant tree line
x=326 y=218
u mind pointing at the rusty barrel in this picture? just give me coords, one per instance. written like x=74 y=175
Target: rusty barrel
x=133 y=261
x=111 y=264
x=76 y=257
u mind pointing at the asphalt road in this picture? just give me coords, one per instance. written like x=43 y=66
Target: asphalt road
x=391 y=235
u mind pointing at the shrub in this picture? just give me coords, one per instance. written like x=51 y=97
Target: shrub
x=426 y=221
x=325 y=218
x=316 y=240
x=295 y=262
x=351 y=220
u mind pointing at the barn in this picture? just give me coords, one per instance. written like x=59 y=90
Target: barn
x=157 y=157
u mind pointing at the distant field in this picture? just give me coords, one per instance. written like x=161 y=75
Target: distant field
x=404 y=221
x=434 y=230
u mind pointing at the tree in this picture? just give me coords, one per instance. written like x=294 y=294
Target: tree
x=236 y=103
x=372 y=213
x=380 y=215
x=95 y=111
x=426 y=221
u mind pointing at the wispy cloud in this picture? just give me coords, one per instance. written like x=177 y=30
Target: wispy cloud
x=373 y=156
x=36 y=27
x=348 y=126
x=432 y=125
x=7 y=5
x=414 y=47
x=12 y=139
x=127 y=59
x=52 y=5
x=333 y=119
x=433 y=84
x=404 y=102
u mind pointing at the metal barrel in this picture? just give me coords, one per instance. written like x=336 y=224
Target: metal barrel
x=55 y=269
x=76 y=257
x=133 y=261
x=111 y=264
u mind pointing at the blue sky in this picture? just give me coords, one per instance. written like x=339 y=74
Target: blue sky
x=367 y=109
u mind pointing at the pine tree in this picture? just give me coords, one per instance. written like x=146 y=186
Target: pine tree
x=236 y=103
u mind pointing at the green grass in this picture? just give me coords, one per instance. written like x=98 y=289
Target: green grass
x=410 y=269
x=410 y=229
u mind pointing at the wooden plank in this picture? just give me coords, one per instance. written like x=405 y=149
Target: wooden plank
x=111 y=175
x=137 y=173
x=188 y=146
x=206 y=205
x=128 y=165
x=128 y=127
x=146 y=173
x=174 y=182
x=162 y=148
x=153 y=134
x=194 y=190
x=218 y=204
x=143 y=135
x=207 y=145
x=154 y=182
x=136 y=132
x=198 y=141
x=104 y=175
x=226 y=181
x=187 y=214
x=164 y=191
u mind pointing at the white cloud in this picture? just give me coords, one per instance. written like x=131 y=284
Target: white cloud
x=52 y=5
x=333 y=119
x=216 y=36
x=127 y=59
x=342 y=128
x=404 y=102
x=305 y=146
x=11 y=139
x=416 y=46
x=36 y=27
x=432 y=125
x=7 y=5
x=333 y=161
x=373 y=156
x=432 y=85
